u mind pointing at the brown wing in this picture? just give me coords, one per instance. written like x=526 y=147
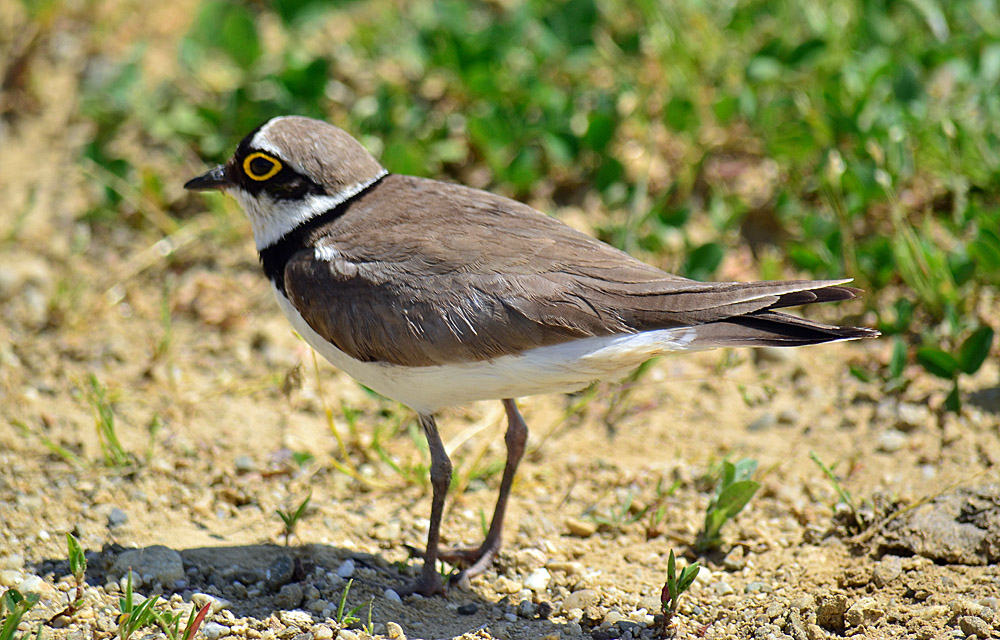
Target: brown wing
x=419 y=272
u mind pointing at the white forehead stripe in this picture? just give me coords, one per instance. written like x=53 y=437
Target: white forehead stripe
x=261 y=140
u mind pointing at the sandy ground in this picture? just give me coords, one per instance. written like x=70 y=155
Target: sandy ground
x=223 y=415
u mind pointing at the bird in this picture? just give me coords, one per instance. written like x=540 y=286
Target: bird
x=436 y=294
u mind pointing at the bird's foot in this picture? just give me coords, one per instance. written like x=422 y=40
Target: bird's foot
x=426 y=585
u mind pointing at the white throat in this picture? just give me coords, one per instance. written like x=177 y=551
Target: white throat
x=271 y=219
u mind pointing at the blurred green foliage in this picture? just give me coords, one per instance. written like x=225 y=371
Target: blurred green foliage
x=849 y=138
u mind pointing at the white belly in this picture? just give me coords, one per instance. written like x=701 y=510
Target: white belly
x=553 y=369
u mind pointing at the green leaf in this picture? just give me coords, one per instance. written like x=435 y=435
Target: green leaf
x=703 y=261
x=953 y=402
x=974 y=350
x=938 y=362
x=736 y=496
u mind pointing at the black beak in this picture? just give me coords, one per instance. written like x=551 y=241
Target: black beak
x=214 y=179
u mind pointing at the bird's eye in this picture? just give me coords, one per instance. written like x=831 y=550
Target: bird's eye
x=260 y=166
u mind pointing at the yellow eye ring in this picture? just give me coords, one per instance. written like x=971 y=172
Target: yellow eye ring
x=260 y=177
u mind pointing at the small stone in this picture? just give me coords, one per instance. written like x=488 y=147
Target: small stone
x=308 y=635
x=581 y=528
x=244 y=464
x=295 y=618
x=580 y=599
x=510 y=617
x=394 y=631
x=504 y=584
x=830 y=612
x=758 y=587
x=467 y=609
x=789 y=415
x=279 y=573
x=214 y=604
x=888 y=569
x=32 y=584
x=318 y=606
x=569 y=568
x=891 y=441
x=814 y=632
x=538 y=580
x=157 y=564
x=613 y=617
x=347 y=634
x=323 y=632
x=12 y=561
x=722 y=589
x=527 y=609
x=10 y=578
x=346 y=569
x=763 y=423
x=865 y=611
x=391 y=595
x=734 y=560
x=911 y=416
x=289 y=597
x=117 y=518
x=213 y=630
x=592 y=615
x=972 y=625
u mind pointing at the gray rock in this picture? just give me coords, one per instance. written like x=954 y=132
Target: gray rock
x=972 y=625
x=117 y=518
x=346 y=569
x=244 y=464
x=467 y=609
x=722 y=589
x=279 y=573
x=213 y=630
x=960 y=527
x=911 y=416
x=888 y=569
x=757 y=587
x=527 y=609
x=763 y=423
x=154 y=564
x=289 y=597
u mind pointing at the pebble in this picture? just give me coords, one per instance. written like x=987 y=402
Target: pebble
x=214 y=604
x=722 y=589
x=911 y=416
x=865 y=611
x=581 y=528
x=289 y=597
x=346 y=569
x=347 y=634
x=308 y=635
x=394 y=631
x=569 y=568
x=504 y=584
x=972 y=625
x=213 y=630
x=830 y=611
x=391 y=595
x=322 y=632
x=9 y=577
x=244 y=464
x=467 y=609
x=527 y=609
x=117 y=518
x=758 y=587
x=538 y=580
x=734 y=560
x=891 y=441
x=580 y=599
x=279 y=573
x=12 y=561
x=510 y=617
x=295 y=618
x=888 y=569
x=155 y=564
x=763 y=423
x=31 y=584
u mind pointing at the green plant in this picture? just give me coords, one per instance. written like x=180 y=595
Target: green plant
x=674 y=588
x=733 y=492
x=349 y=617
x=134 y=616
x=171 y=622
x=843 y=494
x=291 y=518
x=13 y=606
x=948 y=365
x=78 y=567
x=104 y=420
